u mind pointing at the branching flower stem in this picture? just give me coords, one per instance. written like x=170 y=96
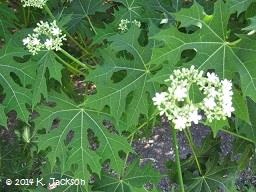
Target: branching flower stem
x=191 y=144
x=68 y=65
x=75 y=60
x=177 y=158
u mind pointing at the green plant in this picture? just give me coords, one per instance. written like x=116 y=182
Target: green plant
x=77 y=80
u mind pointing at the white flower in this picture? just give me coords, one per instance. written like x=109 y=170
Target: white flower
x=209 y=103
x=26 y=41
x=212 y=77
x=48 y=44
x=194 y=116
x=164 y=21
x=180 y=93
x=123 y=25
x=34 y=3
x=226 y=85
x=56 y=31
x=137 y=23
x=50 y=32
x=160 y=98
x=180 y=123
x=35 y=41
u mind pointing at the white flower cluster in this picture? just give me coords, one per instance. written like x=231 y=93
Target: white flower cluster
x=218 y=101
x=46 y=35
x=34 y=3
x=177 y=106
x=123 y=25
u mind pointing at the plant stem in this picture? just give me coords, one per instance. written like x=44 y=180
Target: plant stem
x=24 y=16
x=68 y=65
x=74 y=59
x=143 y=124
x=126 y=157
x=46 y=8
x=191 y=144
x=89 y=20
x=177 y=157
x=237 y=135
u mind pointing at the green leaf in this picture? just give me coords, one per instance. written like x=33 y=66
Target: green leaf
x=128 y=97
x=134 y=177
x=217 y=125
x=252 y=25
x=80 y=11
x=239 y=6
x=45 y=61
x=70 y=143
x=248 y=129
x=7 y=19
x=3 y=118
x=210 y=41
x=218 y=176
x=15 y=75
x=240 y=105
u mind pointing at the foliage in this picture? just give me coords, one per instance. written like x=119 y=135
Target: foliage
x=52 y=127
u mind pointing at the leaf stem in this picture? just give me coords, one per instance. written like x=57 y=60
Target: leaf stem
x=237 y=135
x=24 y=16
x=143 y=124
x=68 y=65
x=177 y=157
x=126 y=157
x=191 y=144
x=89 y=20
x=74 y=59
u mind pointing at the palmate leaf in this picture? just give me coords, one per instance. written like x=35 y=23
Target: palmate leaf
x=123 y=82
x=239 y=6
x=16 y=73
x=69 y=142
x=252 y=25
x=46 y=61
x=217 y=177
x=7 y=18
x=213 y=51
x=79 y=12
x=132 y=179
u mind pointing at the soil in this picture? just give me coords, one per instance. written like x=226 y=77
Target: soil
x=159 y=150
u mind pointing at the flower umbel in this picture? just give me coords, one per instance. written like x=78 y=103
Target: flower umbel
x=34 y=3
x=179 y=109
x=45 y=36
x=123 y=25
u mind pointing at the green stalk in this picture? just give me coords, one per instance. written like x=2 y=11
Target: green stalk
x=126 y=157
x=74 y=59
x=89 y=20
x=191 y=144
x=48 y=11
x=177 y=157
x=237 y=135
x=24 y=16
x=69 y=66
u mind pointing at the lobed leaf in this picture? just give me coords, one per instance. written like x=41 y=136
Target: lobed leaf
x=70 y=143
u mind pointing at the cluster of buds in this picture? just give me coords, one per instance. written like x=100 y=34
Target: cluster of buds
x=34 y=3
x=45 y=36
x=178 y=107
x=123 y=25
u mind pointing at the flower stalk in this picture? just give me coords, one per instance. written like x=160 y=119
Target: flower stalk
x=75 y=60
x=191 y=144
x=177 y=159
